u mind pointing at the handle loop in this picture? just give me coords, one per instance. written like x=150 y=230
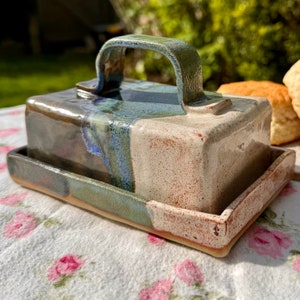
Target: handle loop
x=183 y=57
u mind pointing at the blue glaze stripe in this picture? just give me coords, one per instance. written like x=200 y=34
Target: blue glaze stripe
x=106 y=132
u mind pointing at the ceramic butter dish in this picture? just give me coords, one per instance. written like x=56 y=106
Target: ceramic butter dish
x=177 y=145
x=155 y=156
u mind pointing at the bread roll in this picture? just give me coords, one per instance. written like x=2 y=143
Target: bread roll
x=292 y=82
x=285 y=124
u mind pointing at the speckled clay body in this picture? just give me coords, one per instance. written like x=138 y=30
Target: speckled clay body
x=202 y=160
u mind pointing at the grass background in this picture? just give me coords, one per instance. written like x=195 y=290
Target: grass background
x=22 y=76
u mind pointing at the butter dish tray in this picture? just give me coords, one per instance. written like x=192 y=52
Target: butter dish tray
x=210 y=233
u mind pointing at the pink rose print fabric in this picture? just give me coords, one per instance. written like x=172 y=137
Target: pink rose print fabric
x=296 y=264
x=155 y=240
x=3 y=167
x=6 y=149
x=13 y=199
x=21 y=225
x=65 y=267
x=16 y=112
x=188 y=272
x=8 y=132
x=288 y=190
x=159 y=290
x=268 y=242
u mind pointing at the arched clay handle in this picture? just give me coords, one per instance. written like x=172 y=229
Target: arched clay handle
x=183 y=57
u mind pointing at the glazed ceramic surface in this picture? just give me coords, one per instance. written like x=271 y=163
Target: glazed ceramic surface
x=179 y=146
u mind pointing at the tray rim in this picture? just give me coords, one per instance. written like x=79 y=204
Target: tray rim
x=228 y=231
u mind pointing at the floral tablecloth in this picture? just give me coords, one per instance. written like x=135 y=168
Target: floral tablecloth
x=52 y=250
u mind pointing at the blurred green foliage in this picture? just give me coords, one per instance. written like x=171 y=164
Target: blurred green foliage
x=236 y=40
x=25 y=76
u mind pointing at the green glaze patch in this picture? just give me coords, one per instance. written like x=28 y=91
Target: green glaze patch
x=64 y=185
x=50 y=180
x=110 y=199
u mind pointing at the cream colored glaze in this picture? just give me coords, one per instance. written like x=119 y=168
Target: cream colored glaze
x=202 y=161
x=217 y=231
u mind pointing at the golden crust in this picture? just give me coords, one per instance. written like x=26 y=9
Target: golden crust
x=292 y=81
x=276 y=93
x=285 y=124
